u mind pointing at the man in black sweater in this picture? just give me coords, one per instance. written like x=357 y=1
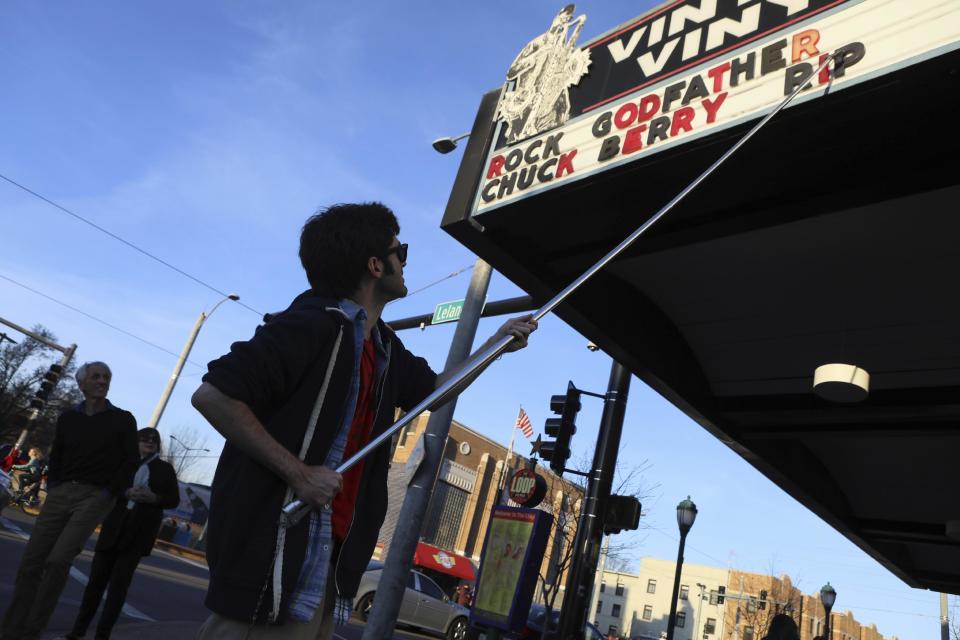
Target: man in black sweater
x=94 y=454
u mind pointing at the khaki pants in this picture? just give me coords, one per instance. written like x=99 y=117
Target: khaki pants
x=320 y=628
x=70 y=514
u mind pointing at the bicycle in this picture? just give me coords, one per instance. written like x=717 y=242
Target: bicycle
x=27 y=496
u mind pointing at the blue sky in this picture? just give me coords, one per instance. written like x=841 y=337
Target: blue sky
x=206 y=133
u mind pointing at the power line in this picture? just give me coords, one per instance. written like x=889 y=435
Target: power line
x=92 y=317
x=126 y=242
x=447 y=277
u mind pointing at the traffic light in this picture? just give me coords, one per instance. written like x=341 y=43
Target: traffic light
x=763 y=599
x=622 y=513
x=50 y=379
x=561 y=428
x=720 y=591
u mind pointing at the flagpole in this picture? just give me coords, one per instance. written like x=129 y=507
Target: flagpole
x=506 y=459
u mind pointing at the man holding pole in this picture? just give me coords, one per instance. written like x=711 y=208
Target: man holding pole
x=313 y=386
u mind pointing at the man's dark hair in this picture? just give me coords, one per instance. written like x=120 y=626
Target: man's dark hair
x=336 y=243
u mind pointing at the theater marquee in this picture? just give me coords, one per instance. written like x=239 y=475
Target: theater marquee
x=685 y=70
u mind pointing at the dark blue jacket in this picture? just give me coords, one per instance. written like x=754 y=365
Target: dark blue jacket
x=279 y=374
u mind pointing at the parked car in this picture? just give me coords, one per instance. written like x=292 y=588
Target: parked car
x=424 y=606
x=537 y=617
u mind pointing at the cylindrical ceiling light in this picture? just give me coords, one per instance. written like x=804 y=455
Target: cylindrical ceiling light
x=841 y=382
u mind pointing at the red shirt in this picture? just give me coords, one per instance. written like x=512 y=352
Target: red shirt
x=358 y=436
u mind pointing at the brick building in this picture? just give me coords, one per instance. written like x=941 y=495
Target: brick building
x=473 y=468
x=637 y=606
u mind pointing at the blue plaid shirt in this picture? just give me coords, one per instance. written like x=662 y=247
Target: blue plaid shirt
x=308 y=596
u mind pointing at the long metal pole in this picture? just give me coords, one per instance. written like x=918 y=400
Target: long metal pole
x=672 y=620
x=393 y=581
x=172 y=382
x=589 y=537
x=293 y=512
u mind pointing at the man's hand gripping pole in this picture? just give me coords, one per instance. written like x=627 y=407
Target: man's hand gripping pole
x=293 y=512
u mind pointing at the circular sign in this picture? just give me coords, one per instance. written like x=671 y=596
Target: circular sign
x=527 y=488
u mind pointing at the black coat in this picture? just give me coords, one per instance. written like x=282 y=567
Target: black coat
x=135 y=530
x=280 y=374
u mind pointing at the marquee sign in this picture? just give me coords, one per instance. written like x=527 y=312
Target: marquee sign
x=688 y=69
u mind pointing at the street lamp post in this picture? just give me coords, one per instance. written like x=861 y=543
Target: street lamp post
x=827 y=596
x=183 y=446
x=686 y=514
x=172 y=382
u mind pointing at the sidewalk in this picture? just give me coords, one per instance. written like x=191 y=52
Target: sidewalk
x=145 y=631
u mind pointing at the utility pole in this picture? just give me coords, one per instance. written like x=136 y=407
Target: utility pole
x=699 y=621
x=944 y=618
x=64 y=361
x=178 y=368
x=586 y=544
x=393 y=580
x=603 y=567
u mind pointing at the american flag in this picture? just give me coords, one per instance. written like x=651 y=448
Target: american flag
x=523 y=423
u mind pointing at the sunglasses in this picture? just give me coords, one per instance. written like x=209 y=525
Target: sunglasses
x=400 y=250
x=150 y=439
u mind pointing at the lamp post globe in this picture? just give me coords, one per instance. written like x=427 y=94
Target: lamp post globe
x=828 y=595
x=686 y=515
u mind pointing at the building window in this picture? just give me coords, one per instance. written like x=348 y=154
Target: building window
x=444 y=515
x=748 y=633
x=682 y=620
x=684 y=592
x=619 y=591
x=647 y=612
x=616 y=611
x=752 y=605
x=603 y=587
x=651 y=586
x=710 y=627
x=599 y=607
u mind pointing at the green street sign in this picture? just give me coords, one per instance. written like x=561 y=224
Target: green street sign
x=447 y=312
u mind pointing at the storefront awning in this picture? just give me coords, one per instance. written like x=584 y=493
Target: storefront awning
x=431 y=557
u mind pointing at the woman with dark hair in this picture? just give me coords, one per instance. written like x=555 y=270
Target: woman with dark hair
x=782 y=627
x=127 y=535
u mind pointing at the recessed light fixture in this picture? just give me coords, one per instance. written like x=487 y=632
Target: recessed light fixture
x=841 y=382
x=953 y=529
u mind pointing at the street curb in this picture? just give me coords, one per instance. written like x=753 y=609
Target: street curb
x=177 y=550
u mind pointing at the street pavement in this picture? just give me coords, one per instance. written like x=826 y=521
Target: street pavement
x=164 y=601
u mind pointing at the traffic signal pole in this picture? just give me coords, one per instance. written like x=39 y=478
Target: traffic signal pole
x=587 y=543
x=396 y=569
x=64 y=361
